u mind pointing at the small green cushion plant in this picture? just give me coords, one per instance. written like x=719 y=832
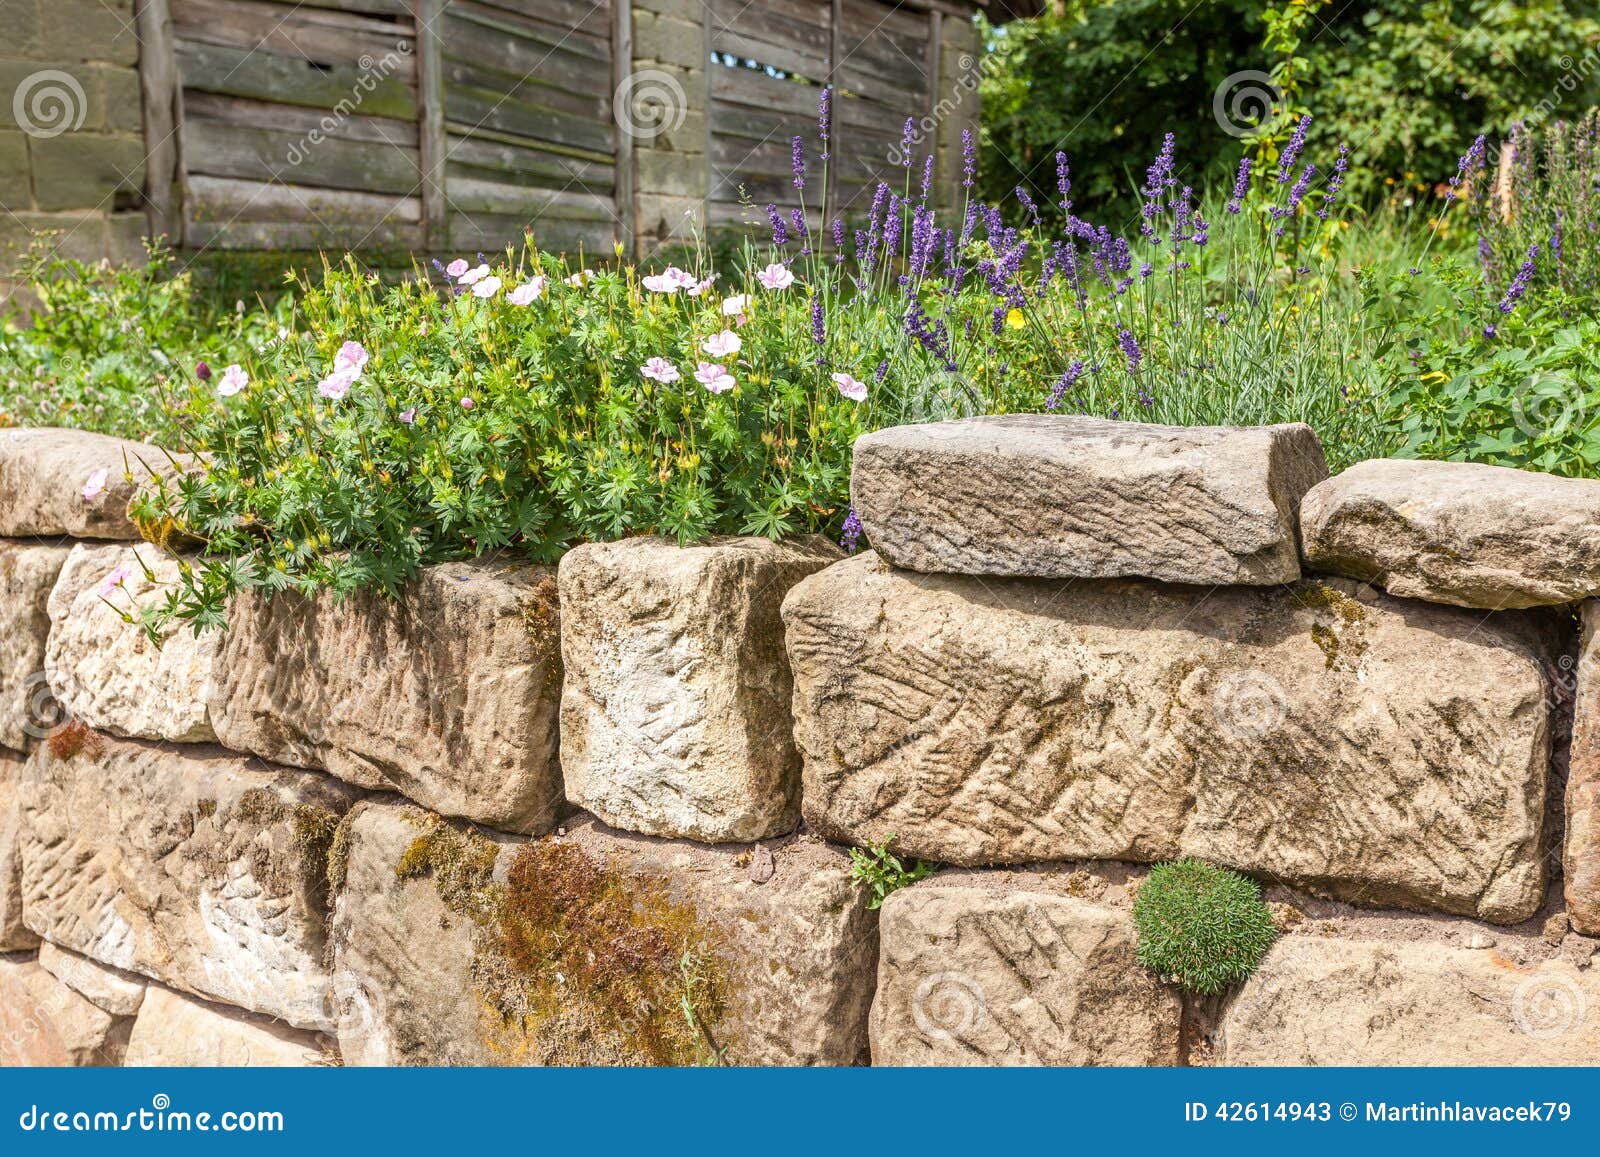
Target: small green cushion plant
x=1201 y=926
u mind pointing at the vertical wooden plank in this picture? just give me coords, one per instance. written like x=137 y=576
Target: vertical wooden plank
x=432 y=146
x=830 y=194
x=621 y=69
x=158 y=87
x=935 y=39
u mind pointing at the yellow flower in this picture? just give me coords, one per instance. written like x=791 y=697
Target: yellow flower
x=1015 y=320
x=1436 y=376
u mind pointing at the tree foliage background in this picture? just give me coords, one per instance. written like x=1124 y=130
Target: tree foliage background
x=1406 y=84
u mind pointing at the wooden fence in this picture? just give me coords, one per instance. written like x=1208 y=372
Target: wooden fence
x=454 y=125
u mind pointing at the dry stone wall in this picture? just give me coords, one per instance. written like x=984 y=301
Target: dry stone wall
x=603 y=813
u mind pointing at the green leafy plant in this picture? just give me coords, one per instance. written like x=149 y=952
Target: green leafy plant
x=1202 y=926
x=880 y=870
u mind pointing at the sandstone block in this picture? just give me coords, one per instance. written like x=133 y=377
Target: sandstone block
x=675 y=710
x=1375 y=749
x=45 y=475
x=119 y=993
x=173 y=1031
x=449 y=694
x=1329 y=1001
x=189 y=865
x=981 y=968
x=14 y=935
x=28 y=571
x=1581 y=853
x=1458 y=532
x=453 y=949
x=1060 y=497
x=45 y=1023
x=105 y=671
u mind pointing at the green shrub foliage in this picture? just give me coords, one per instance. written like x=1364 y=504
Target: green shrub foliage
x=1202 y=926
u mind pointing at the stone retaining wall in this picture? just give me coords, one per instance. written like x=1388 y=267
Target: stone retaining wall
x=520 y=814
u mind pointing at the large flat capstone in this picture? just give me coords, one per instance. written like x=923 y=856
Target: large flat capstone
x=72 y=482
x=449 y=695
x=1458 y=532
x=190 y=865
x=1060 y=497
x=1372 y=748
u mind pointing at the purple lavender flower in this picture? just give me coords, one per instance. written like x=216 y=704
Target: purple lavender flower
x=1291 y=151
x=799 y=149
x=881 y=372
x=969 y=158
x=1130 y=350
x=1519 y=284
x=930 y=333
x=780 y=231
x=1296 y=195
x=927 y=177
x=1157 y=180
x=1471 y=159
x=1064 y=182
x=1491 y=331
x=908 y=137
x=1064 y=383
x=1027 y=204
x=819 y=327
x=1336 y=182
x=838 y=238
x=850 y=540
x=1241 y=187
x=824 y=119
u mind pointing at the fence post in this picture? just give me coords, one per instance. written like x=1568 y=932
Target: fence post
x=431 y=143
x=621 y=69
x=158 y=86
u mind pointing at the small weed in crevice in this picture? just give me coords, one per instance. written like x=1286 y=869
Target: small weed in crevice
x=877 y=868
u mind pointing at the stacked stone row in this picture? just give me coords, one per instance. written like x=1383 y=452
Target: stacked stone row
x=1082 y=646
x=1076 y=648
x=204 y=843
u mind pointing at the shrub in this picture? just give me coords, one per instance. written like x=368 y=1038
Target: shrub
x=1201 y=926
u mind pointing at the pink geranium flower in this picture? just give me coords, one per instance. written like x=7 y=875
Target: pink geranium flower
x=95 y=484
x=735 y=305
x=457 y=267
x=715 y=378
x=353 y=356
x=233 y=380
x=337 y=384
x=669 y=280
x=527 y=293
x=115 y=579
x=701 y=287
x=408 y=416
x=488 y=287
x=724 y=344
x=474 y=275
x=467 y=403
x=775 y=276
x=661 y=370
x=855 y=390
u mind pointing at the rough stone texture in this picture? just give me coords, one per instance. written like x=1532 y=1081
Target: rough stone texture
x=675 y=710
x=43 y=1022
x=43 y=473
x=800 y=949
x=119 y=993
x=449 y=695
x=176 y=1032
x=1381 y=750
x=1458 y=532
x=104 y=670
x=28 y=571
x=1326 y=1001
x=14 y=935
x=190 y=865
x=1057 y=497
x=1581 y=854
x=1001 y=968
